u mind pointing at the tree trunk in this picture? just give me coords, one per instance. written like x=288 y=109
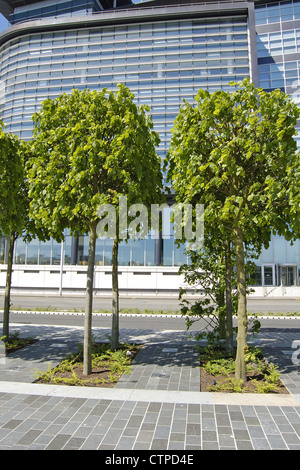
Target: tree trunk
x=115 y=296
x=228 y=275
x=87 y=342
x=240 y=364
x=8 y=286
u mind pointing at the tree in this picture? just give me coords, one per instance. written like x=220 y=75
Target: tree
x=236 y=154
x=14 y=205
x=209 y=271
x=11 y=205
x=90 y=148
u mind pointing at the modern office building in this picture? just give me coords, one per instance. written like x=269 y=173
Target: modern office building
x=164 y=51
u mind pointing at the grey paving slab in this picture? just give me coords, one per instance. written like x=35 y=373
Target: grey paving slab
x=156 y=407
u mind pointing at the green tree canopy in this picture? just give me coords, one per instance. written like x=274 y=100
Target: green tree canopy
x=89 y=149
x=236 y=154
x=14 y=204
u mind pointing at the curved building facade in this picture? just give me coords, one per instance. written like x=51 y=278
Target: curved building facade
x=164 y=52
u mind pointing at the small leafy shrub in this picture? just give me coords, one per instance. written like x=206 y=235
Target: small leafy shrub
x=14 y=342
x=107 y=367
x=263 y=377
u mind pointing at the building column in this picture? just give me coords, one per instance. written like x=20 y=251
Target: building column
x=158 y=250
x=74 y=251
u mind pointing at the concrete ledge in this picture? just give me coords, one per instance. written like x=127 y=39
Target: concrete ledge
x=157 y=396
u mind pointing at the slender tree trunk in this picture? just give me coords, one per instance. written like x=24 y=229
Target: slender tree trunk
x=228 y=275
x=115 y=296
x=87 y=342
x=240 y=364
x=220 y=300
x=8 y=286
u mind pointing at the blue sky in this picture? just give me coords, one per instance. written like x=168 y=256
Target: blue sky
x=3 y=23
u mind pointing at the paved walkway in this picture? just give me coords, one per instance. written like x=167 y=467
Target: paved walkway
x=156 y=407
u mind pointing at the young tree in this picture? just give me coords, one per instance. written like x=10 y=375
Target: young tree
x=233 y=152
x=11 y=205
x=14 y=205
x=210 y=273
x=89 y=149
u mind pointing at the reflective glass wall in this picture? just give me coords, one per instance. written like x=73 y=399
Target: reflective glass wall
x=278 y=52
x=163 y=63
x=52 y=8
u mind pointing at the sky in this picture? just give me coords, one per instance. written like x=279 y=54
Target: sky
x=3 y=23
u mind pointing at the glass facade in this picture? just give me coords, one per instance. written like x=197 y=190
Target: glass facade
x=52 y=8
x=278 y=56
x=163 y=62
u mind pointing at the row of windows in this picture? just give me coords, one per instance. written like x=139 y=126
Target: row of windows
x=129 y=64
x=53 y=63
x=277 y=12
x=132 y=32
x=175 y=72
x=132 y=253
x=198 y=51
x=210 y=83
x=142 y=253
x=51 y=10
x=287 y=42
x=34 y=80
x=109 y=42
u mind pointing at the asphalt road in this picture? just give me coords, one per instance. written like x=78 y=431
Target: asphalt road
x=255 y=305
x=136 y=321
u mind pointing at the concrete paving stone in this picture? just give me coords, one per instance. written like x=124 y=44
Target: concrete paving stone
x=141 y=446
x=260 y=444
x=130 y=432
x=210 y=445
x=83 y=431
x=74 y=443
x=159 y=444
x=193 y=429
x=244 y=445
x=241 y=434
x=144 y=435
x=222 y=419
x=125 y=443
x=291 y=438
x=226 y=441
x=11 y=438
x=256 y=432
x=178 y=425
x=147 y=426
x=12 y=424
x=161 y=432
x=177 y=437
x=88 y=422
x=70 y=427
x=209 y=435
x=276 y=442
x=92 y=442
x=29 y=437
x=112 y=436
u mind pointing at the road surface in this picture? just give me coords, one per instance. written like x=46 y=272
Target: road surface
x=263 y=305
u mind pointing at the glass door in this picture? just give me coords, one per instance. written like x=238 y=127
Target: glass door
x=288 y=276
